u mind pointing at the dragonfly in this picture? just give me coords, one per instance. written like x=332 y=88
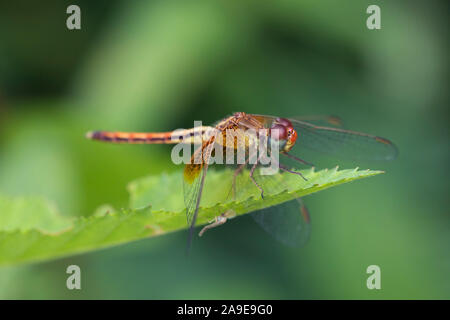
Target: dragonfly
x=289 y=223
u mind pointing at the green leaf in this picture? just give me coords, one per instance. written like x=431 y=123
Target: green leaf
x=31 y=213
x=32 y=230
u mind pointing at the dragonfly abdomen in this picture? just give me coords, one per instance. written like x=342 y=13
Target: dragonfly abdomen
x=132 y=137
x=194 y=135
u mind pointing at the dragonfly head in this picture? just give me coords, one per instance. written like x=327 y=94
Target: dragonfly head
x=283 y=130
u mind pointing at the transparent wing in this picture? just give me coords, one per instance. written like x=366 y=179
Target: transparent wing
x=193 y=181
x=289 y=223
x=342 y=142
x=320 y=120
x=192 y=189
x=337 y=141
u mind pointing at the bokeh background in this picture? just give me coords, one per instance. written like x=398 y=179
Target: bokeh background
x=160 y=65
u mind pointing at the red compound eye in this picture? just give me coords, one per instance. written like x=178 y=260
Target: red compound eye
x=284 y=122
x=279 y=132
x=292 y=135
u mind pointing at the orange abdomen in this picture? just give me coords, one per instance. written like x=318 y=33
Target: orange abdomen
x=132 y=137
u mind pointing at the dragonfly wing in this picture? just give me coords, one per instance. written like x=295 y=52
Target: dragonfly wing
x=193 y=189
x=193 y=181
x=319 y=120
x=289 y=223
x=337 y=141
x=343 y=143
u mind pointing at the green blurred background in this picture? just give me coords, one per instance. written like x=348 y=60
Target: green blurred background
x=160 y=65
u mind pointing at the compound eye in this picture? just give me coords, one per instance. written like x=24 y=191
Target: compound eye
x=279 y=132
x=284 y=122
x=292 y=134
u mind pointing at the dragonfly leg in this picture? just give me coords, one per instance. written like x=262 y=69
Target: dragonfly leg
x=252 y=170
x=298 y=159
x=294 y=172
x=218 y=221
